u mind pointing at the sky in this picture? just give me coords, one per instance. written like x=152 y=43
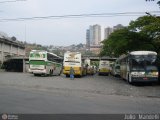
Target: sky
x=65 y=31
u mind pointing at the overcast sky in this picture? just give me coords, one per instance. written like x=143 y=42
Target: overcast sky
x=65 y=31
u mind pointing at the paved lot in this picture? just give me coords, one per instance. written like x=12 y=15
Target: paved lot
x=25 y=93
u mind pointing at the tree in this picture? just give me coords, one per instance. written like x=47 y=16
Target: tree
x=115 y=44
x=154 y=0
x=149 y=27
x=14 y=38
x=141 y=34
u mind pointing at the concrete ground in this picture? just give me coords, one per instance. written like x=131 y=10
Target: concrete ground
x=25 y=93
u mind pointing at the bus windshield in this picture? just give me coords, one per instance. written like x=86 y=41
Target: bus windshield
x=142 y=62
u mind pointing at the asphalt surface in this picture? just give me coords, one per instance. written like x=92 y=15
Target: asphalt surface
x=25 y=93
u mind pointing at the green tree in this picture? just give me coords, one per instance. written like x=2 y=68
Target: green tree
x=141 y=34
x=154 y=0
x=115 y=44
x=149 y=28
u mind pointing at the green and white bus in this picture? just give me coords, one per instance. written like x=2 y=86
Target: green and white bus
x=139 y=66
x=44 y=63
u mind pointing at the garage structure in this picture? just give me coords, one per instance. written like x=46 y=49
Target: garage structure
x=12 y=54
x=9 y=48
x=16 y=64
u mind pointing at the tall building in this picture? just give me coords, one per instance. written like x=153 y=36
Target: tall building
x=88 y=38
x=96 y=34
x=93 y=35
x=107 y=32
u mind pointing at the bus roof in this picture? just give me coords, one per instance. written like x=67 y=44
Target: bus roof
x=142 y=53
x=43 y=51
x=37 y=51
x=54 y=55
x=137 y=53
x=72 y=52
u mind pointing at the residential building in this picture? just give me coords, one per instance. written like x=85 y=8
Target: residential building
x=87 y=38
x=96 y=35
x=93 y=35
x=107 y=32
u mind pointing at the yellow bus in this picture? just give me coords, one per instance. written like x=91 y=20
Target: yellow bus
x=90 y=68
x=104 y=67
x=74 y=60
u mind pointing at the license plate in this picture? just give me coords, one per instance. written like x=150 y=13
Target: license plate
x=145 y=78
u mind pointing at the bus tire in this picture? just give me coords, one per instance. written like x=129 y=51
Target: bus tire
x=51 y=72
x=67 y=75
x=59 y=74
x=36 y=75
x=129 y=80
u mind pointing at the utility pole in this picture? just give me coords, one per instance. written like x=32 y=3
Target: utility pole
x=25 y=33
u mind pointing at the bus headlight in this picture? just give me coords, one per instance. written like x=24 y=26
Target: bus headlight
x=134 y=73
x=137 y=73
x=155 y=73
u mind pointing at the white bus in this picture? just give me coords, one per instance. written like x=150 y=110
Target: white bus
x=104 y=67
x=139 y=66
x=73 y=59
x=115 y=71
x=90 y=68
x=44 y=63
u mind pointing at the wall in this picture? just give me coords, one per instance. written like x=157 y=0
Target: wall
x=10 y=48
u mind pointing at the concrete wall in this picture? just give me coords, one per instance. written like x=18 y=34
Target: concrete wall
x=26 y=67
x=10 y=48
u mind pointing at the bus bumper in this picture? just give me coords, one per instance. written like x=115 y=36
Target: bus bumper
x=103 y=72
x=38 y=71
x=145 y=79
x=67 y=72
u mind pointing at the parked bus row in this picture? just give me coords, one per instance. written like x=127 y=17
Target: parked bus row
x=136 y=66
x=46 y=63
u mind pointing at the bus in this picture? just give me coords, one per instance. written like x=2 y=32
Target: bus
x=139 y=66
x=115 y=71
x=104 y=67
x=74 y=60
x=90 y=68
x=44 y=63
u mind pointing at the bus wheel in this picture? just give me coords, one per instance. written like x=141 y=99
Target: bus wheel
x=50 y=72
x=67 y=75
x=79 y=76
x=36 y=75
x=59 y=74
x=129 y=80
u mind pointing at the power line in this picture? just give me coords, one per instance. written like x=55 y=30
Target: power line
x=8 y=1
x=81 y=16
